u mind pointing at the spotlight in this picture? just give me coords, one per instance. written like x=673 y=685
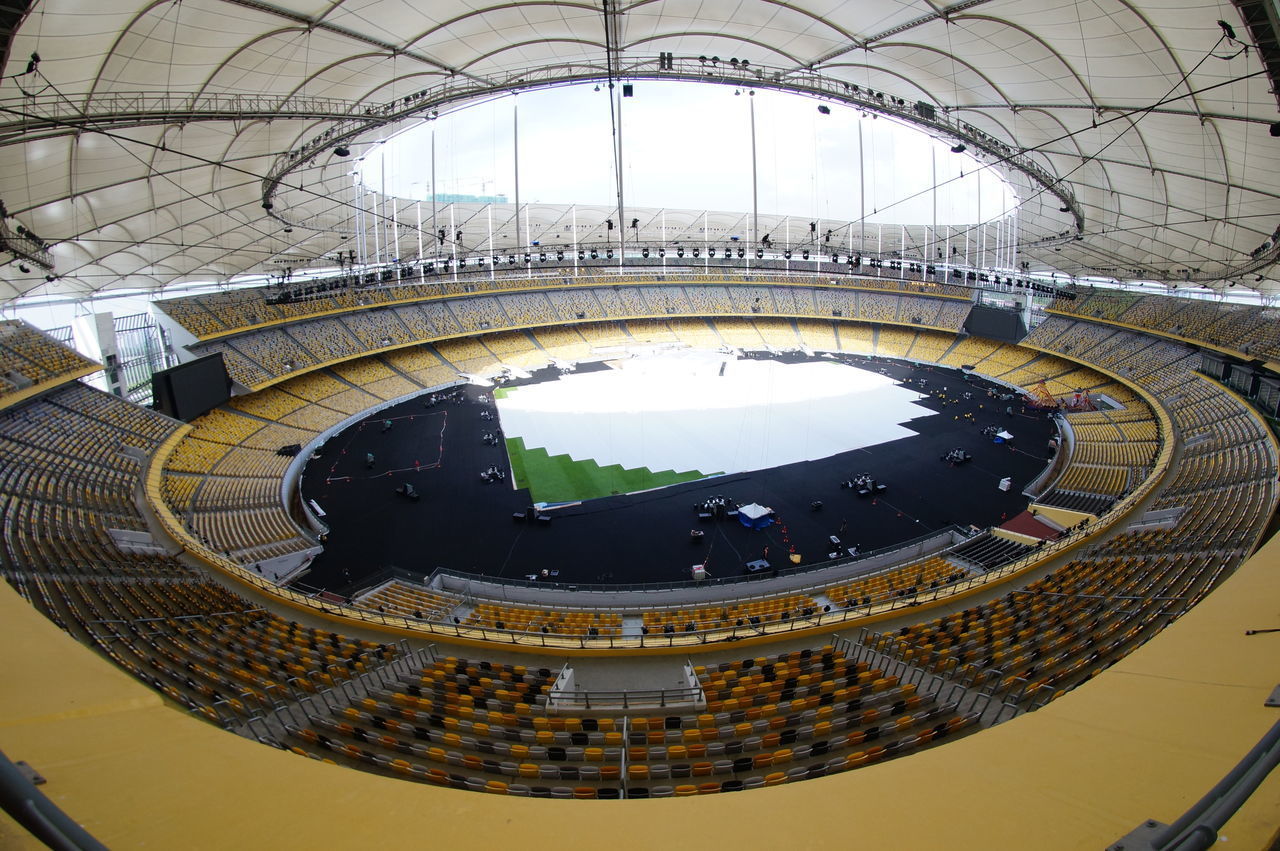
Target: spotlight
x=680 y=251
x=823 y=109
x=711 y=252
x=759 y=253
x=695 y=253
x=958 y=149
x=1275 y=129
x=741 y=253
x=267 y=205
x=644 y=252
x=22 y=267
x=1064 y=209
x=288 y=230
x=342 y=151
x=1227 y=30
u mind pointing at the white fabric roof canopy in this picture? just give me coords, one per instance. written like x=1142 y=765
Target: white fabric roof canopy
x=1194 y=183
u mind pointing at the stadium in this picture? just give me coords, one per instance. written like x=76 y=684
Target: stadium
x=414 y=415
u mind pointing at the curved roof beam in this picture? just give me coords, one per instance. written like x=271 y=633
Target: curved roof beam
x=1222 y=149
x=119 y=222
x=111 y=51
x=936 y=15
x=225 y=157
x=879 y=70
x=1084 y=87
x=208 y=80
x=334 y=64
x=1066 y=131
x=368 y=94
x=930 y=49
x=1111 y=231
x=1184 y=78
x=333 y=7
x=319 y=24
x=1184 y=75
x=1146 y=150
x=816 y=18
x=726 y=36
x=1103 y=109
x=1238 y=187
x=518 y=44
x=496 y=8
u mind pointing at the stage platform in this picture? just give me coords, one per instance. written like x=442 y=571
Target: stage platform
x=464 y=523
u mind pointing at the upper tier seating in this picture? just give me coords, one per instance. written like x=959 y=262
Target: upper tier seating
x=260 y=357
x=71 y=473
x=1239 y=328
x=28 y=357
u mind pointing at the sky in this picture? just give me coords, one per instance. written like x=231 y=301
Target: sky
x=688 y=146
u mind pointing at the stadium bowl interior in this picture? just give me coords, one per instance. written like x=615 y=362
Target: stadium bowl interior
x=187 y=665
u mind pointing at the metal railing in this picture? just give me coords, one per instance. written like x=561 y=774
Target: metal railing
x=44 y=116
x=670 y=585
x=28 y=806
x=629 y=699
x=1197 y=828
x=932 y=669
x=458 y=89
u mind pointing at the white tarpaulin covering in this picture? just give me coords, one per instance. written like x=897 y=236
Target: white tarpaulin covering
x=1157 y=122
x=676 y=411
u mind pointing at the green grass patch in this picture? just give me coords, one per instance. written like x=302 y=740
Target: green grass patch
x=559 y=478
x=502 y=392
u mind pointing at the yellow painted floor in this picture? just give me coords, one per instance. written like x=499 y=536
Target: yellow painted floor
x=1144 y=740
